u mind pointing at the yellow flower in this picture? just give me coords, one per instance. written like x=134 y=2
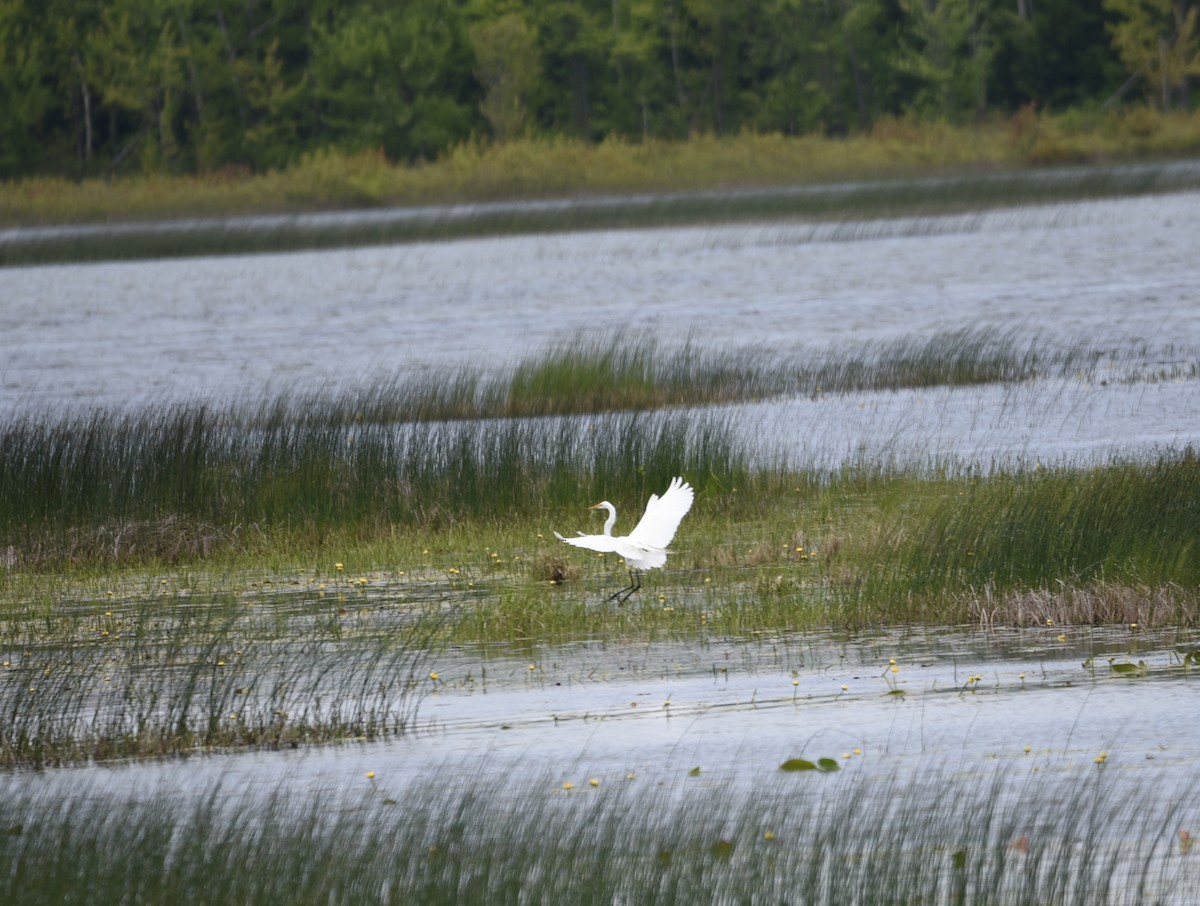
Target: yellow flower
x=845 y=688
x=339 y=566
x=1101 y=758
x=768 y=836
x=433 y=676
x=370 y=775
x=567 y=785
x=595 y=781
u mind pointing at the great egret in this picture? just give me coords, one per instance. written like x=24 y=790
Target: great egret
x=646 y=546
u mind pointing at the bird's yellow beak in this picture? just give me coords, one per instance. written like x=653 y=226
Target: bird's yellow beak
x=594 y=507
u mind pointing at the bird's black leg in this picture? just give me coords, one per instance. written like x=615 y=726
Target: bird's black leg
x=635 y=582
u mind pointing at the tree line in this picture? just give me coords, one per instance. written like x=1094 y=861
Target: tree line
x=93 y=87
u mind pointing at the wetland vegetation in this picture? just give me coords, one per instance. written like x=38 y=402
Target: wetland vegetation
x=229 y=580
x=829 y=839
x=263 y=573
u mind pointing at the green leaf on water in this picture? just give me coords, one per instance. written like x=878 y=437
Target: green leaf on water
x=959 y=859
x=1127 y=669
x=722 y=849
x=897 y=692
x=694 y=772
x=828 y=765
x=797 y=764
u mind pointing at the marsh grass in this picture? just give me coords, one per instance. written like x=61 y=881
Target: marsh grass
x=178 y=674
x=938 y=837
x=178 y=482
x=1126 y=523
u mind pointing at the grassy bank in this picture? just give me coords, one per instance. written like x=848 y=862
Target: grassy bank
x=902 y=168
x=533 y=169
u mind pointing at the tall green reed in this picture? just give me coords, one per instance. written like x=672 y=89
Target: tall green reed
x=1130 y=522
x=112 y=486
x=937 y=837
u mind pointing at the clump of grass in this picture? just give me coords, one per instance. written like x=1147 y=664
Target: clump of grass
x=619 y=371
x=630 y=373
x=1095 y=603
x=177 y=674
x=65 y=484
x=932 y=838
x=1134 y=523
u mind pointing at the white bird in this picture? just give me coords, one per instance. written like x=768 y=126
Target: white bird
x=646 y=546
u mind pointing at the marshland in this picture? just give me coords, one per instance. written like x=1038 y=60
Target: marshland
x=284 y=616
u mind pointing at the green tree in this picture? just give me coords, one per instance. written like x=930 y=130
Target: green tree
x=134 y=55
x=1159 y=41
x=396 y=78
x=27 y=101
x=507 y=66
x=948 y=49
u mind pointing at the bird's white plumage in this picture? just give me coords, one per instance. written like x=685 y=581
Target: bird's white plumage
x=646 y=546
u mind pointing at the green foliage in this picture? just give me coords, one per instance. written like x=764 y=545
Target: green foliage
x=1159 y=40
x=400 y=83
x=506 y=66
x=89 y=88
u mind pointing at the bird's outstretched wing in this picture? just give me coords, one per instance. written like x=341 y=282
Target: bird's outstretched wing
x=602 y=543
x=663 y=514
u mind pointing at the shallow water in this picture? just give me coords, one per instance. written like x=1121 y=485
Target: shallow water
x=738 y=708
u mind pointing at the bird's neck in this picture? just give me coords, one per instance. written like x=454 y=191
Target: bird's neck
x=610 y=521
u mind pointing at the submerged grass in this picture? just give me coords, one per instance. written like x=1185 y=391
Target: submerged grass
x=937 y=837
x=169 y=673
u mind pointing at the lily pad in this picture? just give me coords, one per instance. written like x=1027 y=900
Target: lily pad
x=798 y=764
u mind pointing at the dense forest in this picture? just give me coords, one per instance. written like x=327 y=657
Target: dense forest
x=95 y=87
